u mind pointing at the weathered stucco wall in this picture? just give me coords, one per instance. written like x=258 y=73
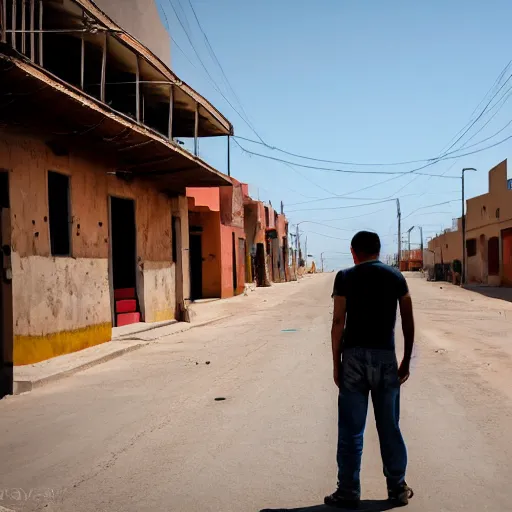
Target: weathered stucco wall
x=208 y=197
x=487 y=216
x=228 y=289
x=54 y=313
x=446 y=248
x=211 y=251
x=60 y=305
x=142 y=20
x=159 y=291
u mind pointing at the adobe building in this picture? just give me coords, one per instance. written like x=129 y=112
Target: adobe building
x=488 y=234
x=217 y=241
x=94 y=214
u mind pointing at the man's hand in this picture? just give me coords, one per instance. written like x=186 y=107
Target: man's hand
x=404 y=371
x=336 y=375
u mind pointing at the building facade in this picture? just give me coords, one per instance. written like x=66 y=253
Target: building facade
x=94 y=213
x=217 y=241
x=489 y=232
x=488 y=235
x=141 y=19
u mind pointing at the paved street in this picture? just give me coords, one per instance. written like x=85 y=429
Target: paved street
x=144 y=432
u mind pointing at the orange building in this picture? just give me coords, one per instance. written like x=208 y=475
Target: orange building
x=217 y=248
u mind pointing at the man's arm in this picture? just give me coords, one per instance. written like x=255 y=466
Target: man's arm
x=408 y=329
x=338 y=326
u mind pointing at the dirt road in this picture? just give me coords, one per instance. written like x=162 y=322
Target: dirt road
x=145 y=433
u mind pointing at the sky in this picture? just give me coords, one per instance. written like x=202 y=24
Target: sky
x=351 y=81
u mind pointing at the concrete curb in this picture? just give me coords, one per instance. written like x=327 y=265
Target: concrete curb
x=25 y=386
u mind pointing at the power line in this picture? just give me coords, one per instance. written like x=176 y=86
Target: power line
x=355 y=216
x=465 y=129
x=205 y=69
x=347 y=171
x=328 y=236
x=216 y=60
x=342 y=207
x=430 y=206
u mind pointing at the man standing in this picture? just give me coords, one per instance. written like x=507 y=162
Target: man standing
x=363 y=348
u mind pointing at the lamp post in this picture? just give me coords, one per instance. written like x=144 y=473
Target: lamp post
x=463 y=270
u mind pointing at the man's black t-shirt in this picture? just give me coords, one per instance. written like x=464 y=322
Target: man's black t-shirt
x=372 y=290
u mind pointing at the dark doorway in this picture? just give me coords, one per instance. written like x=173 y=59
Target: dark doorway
x=493 y=250
x=506 y=241
x=196 y=267
x=6 y=318
x=260 y=265
x=124 y=250
x=233 y=252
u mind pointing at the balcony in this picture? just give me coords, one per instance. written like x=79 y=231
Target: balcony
x=69 y=72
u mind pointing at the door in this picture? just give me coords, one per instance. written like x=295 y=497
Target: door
x=6 y=325
x=506 y=240
x=178 y=270
x=242 y=260
x=123 y=240
x=493 y=254
x=196 y=267
x=233 y=252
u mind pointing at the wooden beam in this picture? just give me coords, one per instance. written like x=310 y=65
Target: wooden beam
x=3 y=14
x=23 y=26
x=137 y=90
x=82 y=64
x=103 y=68
x=196 y=129
x=32 y=28
x=41 y=33
x=171 y=110
x=13 y=27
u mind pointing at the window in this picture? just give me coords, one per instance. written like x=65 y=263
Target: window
x=59 y=213
x=267 y=217
x=4 y=189
x=471 y=247
x=497 y=213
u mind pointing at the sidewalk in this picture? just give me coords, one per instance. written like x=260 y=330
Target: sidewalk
x=136 y=336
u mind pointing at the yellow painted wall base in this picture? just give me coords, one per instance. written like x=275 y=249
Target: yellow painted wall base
x=162 y=316
x=34 y=349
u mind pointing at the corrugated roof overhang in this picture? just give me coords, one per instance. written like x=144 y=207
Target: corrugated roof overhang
x=33 y=98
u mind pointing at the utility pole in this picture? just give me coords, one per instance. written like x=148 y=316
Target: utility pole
x=421 y=243
x=322 y=260
x=399 y=216
x=409 y=246
x=463 y=272
x=297 y=246
x=306 y=249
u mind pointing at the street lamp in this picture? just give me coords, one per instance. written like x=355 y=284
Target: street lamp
x=409 y=246
x=463 y=270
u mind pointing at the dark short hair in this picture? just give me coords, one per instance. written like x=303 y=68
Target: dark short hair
x=366 y=243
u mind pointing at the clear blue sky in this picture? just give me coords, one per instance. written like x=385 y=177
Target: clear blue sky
x=355 y=81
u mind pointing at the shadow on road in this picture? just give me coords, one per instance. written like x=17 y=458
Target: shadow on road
x=492 y=292
x=365 y=506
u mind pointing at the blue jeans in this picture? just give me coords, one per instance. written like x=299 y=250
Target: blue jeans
x=365 y=371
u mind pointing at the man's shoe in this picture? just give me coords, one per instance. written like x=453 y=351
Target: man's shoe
x=339 y=499
x=400 y=495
